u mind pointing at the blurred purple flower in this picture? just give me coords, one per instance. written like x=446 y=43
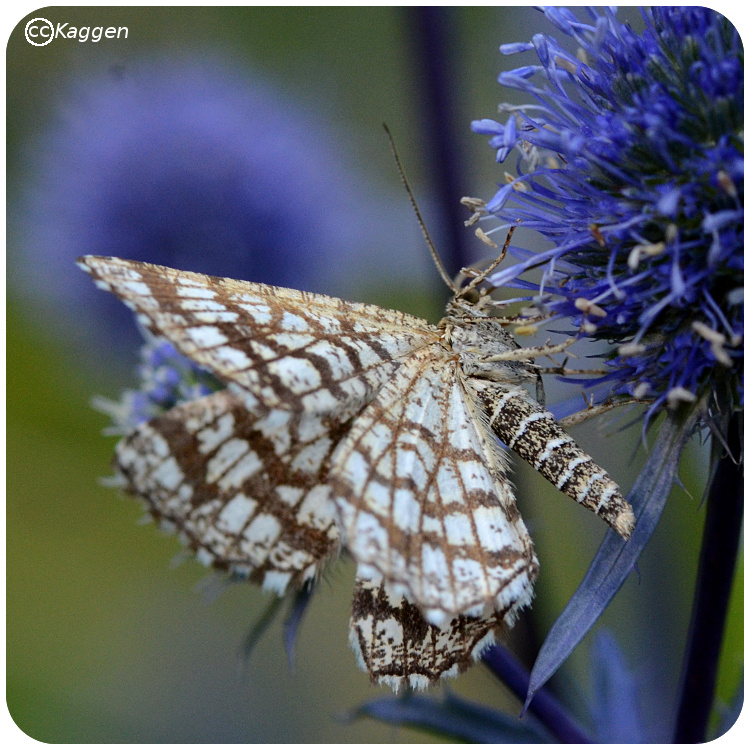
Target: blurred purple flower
x=166 y=379
x=191 y=165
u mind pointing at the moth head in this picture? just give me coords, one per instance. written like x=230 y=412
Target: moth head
x=473 y=297
x=472 y=302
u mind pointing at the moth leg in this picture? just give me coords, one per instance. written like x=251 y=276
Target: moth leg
x=566 y=371
x=532 y=352
x=592 y=410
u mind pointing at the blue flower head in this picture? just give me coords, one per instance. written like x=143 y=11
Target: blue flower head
x=193 y=164
x=631 y=166
x=166 y=379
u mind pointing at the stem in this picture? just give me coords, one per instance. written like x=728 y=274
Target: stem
x=716 y=566
x=433 y=31
x=544 y=705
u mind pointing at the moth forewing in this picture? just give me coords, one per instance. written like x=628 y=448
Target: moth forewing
x=292 y=350
x=423 y=500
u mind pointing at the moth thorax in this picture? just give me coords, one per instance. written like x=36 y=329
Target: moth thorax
x=479 y=343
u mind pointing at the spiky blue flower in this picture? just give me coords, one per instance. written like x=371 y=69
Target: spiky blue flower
x=631 y=166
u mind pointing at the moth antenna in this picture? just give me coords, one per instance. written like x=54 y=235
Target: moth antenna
x=487 y=271
x=422 y=225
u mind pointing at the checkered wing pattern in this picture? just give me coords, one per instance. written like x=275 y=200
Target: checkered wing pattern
x=423 y=500
x=245 y=488
x=398 y=648
x=293 y=350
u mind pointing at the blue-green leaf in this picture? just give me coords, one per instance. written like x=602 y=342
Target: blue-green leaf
x=455 y=717
x=616 y=558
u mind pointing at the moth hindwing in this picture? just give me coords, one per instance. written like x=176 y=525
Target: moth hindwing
x=349 y=424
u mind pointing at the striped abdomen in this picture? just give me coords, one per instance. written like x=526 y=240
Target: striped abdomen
x=532 y=432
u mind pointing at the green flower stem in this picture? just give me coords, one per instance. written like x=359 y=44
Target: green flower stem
x=716 y=567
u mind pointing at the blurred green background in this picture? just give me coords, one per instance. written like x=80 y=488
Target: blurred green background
x=106 y=642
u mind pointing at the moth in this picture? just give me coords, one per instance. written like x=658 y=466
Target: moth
x=349 y=426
